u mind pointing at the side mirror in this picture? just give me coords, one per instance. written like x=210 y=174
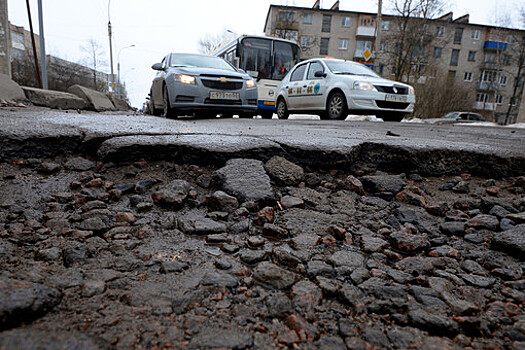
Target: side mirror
x=157 y=66
x=320 y=74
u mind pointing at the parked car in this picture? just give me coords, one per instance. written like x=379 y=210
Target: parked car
x=463 y=116
x=334 y=88
x=191 y=84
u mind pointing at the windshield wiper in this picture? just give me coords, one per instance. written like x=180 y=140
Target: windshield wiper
x=179 y=66
x=345 y=73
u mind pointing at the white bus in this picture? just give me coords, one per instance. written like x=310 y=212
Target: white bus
x=267 y=59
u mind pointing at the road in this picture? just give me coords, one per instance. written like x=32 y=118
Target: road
x=121 y=137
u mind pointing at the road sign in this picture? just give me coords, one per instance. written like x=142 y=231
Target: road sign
x=367 y=54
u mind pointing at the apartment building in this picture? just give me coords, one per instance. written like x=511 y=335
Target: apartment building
x=482 y=59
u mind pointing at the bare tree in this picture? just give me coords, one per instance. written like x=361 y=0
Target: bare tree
x=95 y=59
x=409 y=41
x=211 y=42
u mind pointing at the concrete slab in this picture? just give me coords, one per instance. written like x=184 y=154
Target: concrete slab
x=96 y=100
x=10 y=91
x=54 y=99
x=119 y=103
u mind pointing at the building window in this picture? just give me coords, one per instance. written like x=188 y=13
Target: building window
x=367 y=21
x=286 y=16
x=18 y=41
x=454 y=58
x=488 y=76
x=327 y=23
x=437 y=52
x=451 y=74
x=343 y=44
x=383 y=47
x=458 y=35
x=499 y=99
x=307 y=18
x=440 y=32
x=472 y=56
x=468 y=76
x=346 y=21
x=306 y=41
x=324 y=46
x=503 y=80
x=361 y=46
x=385 y=25
x=381 y=68
x=507 y=59
x=475 y=34
x=482 y=97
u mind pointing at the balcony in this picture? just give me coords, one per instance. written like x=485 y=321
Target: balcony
x=487 y=86
x=495 y=45
x=287 y=25
x=366 y=31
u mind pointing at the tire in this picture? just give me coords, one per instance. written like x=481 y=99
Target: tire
x=336 y=108
x=267 y=115
x=282 y=109
x=167 y=112
x=391 y=116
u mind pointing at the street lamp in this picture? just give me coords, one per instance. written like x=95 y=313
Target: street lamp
x=118 y=69
x=110 y=48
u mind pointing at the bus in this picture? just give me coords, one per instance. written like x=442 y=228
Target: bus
x=267 y=59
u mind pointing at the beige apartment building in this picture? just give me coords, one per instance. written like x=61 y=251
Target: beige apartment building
x=481 y=59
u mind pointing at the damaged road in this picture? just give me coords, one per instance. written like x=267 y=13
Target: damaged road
x=341 y=238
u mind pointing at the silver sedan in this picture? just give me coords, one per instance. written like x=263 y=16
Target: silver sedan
x=334 y=88
x=191 y=84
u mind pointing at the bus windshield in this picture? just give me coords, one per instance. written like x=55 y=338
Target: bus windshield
x=257 y=59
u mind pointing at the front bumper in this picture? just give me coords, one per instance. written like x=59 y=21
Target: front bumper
x=197 y=97
x=373 y=101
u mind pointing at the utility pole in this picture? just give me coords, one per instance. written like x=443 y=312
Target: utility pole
x=377 y=45
x=42 y=45
x=111 y=49
x=35 y=54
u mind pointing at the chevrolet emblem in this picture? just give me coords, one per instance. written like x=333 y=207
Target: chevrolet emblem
x=223 y=80
x=395 y=90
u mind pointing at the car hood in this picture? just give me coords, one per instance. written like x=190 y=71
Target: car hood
x=372 y=80
x=198 y=71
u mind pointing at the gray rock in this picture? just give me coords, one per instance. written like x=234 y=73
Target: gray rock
x=350 y=294
x=349 y=259
x=91 y=288
x=409 y=243
x=22 y=301
x=436 y=324
x=95 y=224
x=221 y=201
x=319 y=268
x=383 y=183
x=49 y=254
x=292 y=202
x=212 y=338
x=253 y=256
x=284 y=172
x=478 y=281
x=195 y=224
x=245 y=179
x=453 y=228
x=33 y=338
x=75 y=254
x=95 y=100
x=518 y=218
x=371 y=244
x=278 y=305
x=483 y=221
x=306 y=296
x=79 y=164
x=274 y=276
x=511 y=241
x=220 y=280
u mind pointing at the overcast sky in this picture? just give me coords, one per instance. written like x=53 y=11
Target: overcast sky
x=157 y=27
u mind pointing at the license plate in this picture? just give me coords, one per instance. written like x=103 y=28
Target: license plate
x=395 y=98
x=221 y=95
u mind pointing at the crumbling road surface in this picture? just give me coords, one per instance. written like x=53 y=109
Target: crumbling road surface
x=137 y=232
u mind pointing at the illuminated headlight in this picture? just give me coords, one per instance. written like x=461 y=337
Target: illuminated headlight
x=411 y=90
x=185 y=79
x=363 y=85
x=250 y=83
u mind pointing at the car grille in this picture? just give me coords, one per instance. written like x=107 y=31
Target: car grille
x=213 y=82
x=252 y=101
x=390 y=89
x=392 y=105
x=223 y=102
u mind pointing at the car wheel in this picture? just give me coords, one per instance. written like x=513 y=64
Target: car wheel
x=282 y=109
x=167 y=112
x=267 y=115
x=391 y=117
x=336 y=107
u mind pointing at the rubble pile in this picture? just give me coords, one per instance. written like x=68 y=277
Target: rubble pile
x=256 y=255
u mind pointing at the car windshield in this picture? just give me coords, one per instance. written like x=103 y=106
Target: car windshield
x=350 y=68
x=192 y=61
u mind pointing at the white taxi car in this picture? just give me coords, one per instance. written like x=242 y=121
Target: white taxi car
x=334 y=88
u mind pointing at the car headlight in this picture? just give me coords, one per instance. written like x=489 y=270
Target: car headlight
x=411 y=90
x=250 y=83
x=185 y=79
x=363 y=85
